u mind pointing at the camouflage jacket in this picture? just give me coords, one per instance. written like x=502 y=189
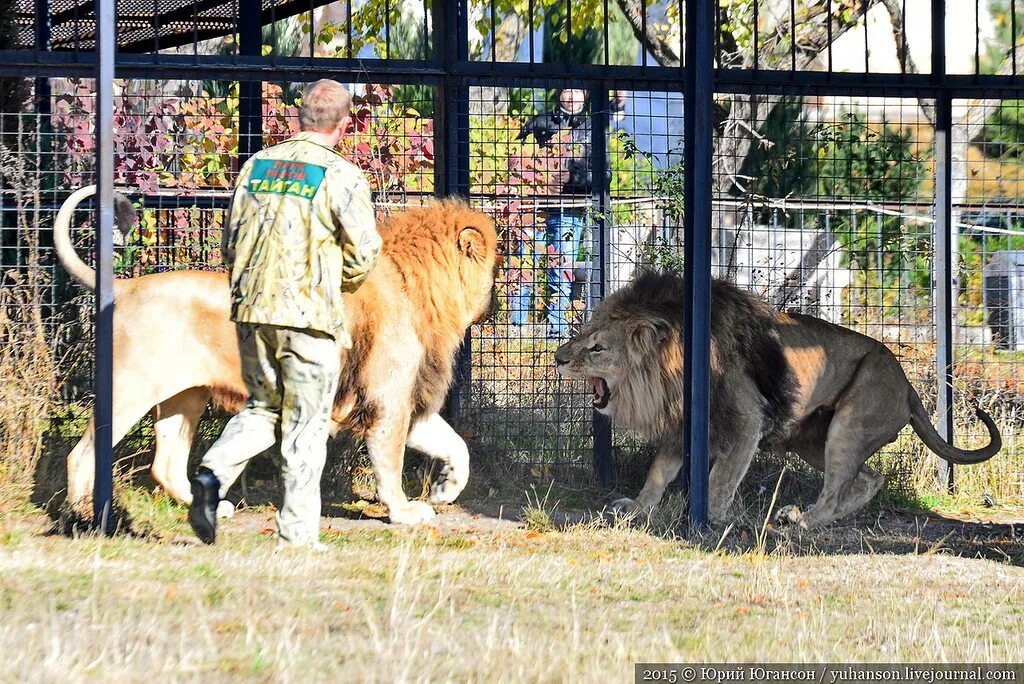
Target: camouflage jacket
x=300 y=231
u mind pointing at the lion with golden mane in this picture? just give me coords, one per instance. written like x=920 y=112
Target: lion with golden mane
x=779 y=382
x=175 y=351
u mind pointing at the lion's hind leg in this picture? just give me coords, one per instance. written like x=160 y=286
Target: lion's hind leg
x=434 y=437
x=174 y=427
x=830 y=508
x=81 y=461
x=82 y=468
x=867 y=417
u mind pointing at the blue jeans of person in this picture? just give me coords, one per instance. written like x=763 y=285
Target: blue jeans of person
x=555 y=248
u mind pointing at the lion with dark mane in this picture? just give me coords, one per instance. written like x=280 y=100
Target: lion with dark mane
x=175 y=351
x=779 y=382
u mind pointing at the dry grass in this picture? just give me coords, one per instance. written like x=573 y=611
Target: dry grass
x=476 y=600
x=28 y=369
x=29 y=379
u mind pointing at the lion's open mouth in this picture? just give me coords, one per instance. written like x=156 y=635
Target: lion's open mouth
x=602 y=394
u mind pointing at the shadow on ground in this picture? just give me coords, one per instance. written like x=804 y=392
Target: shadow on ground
x=501 y=491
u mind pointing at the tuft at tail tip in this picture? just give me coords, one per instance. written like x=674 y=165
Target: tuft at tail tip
x=125 y=215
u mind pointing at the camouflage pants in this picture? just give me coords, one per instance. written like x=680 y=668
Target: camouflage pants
x=292 y=376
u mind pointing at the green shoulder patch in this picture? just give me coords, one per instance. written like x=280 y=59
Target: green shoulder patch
x=284 y=177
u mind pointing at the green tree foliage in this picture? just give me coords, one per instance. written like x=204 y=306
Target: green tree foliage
x=1003 y=134
x=861 y=162
x=408 y=41
x=857 y=161
x=585 y=43
x=783 y=163
x=1008 y=28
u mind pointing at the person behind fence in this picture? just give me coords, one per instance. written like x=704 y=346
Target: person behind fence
x=564 y=225
x=300 y=231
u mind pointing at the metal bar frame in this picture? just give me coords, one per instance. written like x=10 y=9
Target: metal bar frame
x=43 y=94
x=431 y=72
x=250 y=93
x=103 y=488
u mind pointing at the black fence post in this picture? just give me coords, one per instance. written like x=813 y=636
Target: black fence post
x=451 y=146
x=103 y=489
x=250 y=93
x=945 y=233
x=697 y=138
x=601 y=202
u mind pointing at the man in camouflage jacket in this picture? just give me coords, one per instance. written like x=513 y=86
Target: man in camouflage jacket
x=300 y=231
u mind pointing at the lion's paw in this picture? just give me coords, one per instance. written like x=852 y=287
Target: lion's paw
x=225 y=509
x=789 y=515
x=411 y=513
x=448 y=487
x=624 y=506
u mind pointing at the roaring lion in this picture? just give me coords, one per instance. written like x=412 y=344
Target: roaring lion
x=175 y=350
x=779 y=382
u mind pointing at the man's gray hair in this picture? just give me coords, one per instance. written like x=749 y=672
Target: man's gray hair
x=324 y=104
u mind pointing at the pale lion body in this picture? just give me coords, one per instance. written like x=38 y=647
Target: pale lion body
x=780 y=382
x=175 y=350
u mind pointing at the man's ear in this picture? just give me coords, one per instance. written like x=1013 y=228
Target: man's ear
x=472 y=244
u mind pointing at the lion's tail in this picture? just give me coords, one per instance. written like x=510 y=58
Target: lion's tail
x=922 y=424
x=124 y=214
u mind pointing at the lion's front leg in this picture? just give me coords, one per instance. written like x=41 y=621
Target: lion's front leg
x=386 y=444
x=436 y=438
x=667 y=462
x=731 y=461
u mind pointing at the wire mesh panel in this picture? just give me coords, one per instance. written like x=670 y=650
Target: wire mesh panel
x=988 y=225
x=824 y=207
x=823 y=201
x=532 y=170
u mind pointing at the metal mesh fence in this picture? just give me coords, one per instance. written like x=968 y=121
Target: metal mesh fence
x=989 y=219
x=826 y=210
x=823 y=203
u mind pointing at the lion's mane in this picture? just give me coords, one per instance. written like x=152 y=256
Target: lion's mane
x=743 y=340
x=425 y=250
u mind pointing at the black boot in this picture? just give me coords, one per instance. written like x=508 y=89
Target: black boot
x=202 y=514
